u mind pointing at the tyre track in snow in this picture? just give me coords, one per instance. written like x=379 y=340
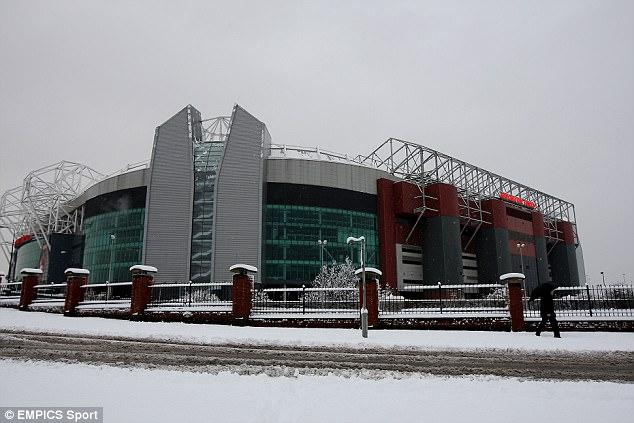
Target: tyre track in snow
x=287 y=359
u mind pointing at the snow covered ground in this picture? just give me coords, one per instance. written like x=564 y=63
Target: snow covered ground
x=571 y=341
x=136 y=395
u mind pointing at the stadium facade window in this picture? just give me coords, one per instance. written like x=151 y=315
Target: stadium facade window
x=291 y=253
x=127 y=247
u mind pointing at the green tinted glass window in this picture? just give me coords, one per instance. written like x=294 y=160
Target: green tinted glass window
x=291 y=252
x=110 y=258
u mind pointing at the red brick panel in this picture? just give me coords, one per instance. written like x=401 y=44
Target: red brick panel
x=241 y=296
x=516 y=305
x=407 y=197
x=522 y=226
x=538 y=224
x=141 y=293
x=371 y=300
x=74 y=293
x=386 y=225
x=496 y=213
x=567 y=232
x=445 y=199
x=28 y=293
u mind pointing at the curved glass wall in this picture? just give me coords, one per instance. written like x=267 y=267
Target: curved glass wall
x=207 y=156
x=107 y=256
x=28 y=255
x=291 y=234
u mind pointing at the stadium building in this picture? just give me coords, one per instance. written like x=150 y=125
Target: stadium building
x=216 y=192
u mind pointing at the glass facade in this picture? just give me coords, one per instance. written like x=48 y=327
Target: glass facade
x=291 y=234
x=207 y=156
x=28 y=255
x=103 y=255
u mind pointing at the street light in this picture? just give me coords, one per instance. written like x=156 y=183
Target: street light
x=603 y=278
x=520 y=246
x=113 y=237
x=322 y=245
x=364 y=309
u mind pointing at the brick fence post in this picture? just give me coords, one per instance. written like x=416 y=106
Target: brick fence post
x=30 y=278
x=142 y=278
x=515 y=299
x=241 y=290
x=371 y=294
x=75 y=278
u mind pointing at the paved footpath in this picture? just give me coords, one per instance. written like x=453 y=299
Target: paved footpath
x=120 y=351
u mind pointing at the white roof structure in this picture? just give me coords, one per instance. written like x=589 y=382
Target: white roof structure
x=243 y=268
x=143 y=268
x=77 y=271
x=31 y=271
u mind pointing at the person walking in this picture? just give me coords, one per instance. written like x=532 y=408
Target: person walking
x=546 y=307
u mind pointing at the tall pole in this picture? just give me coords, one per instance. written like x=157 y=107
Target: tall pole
x=112 y=238
x=603 y=278
x=364 y=310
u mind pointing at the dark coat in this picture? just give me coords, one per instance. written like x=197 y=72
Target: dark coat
x=544 y=293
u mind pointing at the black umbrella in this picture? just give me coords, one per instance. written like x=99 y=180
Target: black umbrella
x=542 y=290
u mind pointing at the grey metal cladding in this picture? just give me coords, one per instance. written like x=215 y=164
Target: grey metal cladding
x=168 y=218
x=134 y=179
x=324 y=173
x=239 y=190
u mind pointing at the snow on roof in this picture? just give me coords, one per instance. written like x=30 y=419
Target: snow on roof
x=512 y=276
x=371 y=270
x=77 y=271
x=31 y=271
x=143 y=268
x=240 y=268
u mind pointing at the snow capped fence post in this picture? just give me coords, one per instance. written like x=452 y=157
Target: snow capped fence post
x=142 y=278
x=241 y=290
x=372 y=293
x=30 y=278
x=75 y=279
x=514 y=282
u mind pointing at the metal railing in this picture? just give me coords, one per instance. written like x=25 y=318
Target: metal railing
x=597 y=301
x=53 y=293
x=306 y=302
x=486 y=300
x=197 y=296
x=10 y=290
x=106 y=295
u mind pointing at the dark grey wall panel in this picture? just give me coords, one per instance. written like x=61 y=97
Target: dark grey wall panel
x=168 y=216
x=442 y=251
x=563 y=264
x=239 y=196
x=492 y=251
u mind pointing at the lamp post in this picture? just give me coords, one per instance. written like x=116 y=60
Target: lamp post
x=520 y=246
x=364 y=309
x=322 y=244
x=113 y=237
x=603 y=278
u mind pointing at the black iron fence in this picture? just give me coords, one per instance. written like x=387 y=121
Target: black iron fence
x=597 y=301
x=487 y=300
x=10 y=291
x=48 y=294
x=106 y=295
x=198 y=296
x=306 y=302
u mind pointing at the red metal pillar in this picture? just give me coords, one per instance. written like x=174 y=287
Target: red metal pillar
x=241 y=296
x=515 y=299
x=372 y=300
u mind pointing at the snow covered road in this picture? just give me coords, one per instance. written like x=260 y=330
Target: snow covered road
x=281 y=360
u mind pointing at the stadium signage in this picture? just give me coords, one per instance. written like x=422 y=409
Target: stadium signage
x=517 y=200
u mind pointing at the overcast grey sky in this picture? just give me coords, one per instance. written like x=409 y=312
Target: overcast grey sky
x=541 y=92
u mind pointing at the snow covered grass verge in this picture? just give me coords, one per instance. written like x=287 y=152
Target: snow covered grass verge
x=133 y=395
x=220 y=334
